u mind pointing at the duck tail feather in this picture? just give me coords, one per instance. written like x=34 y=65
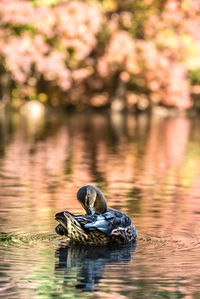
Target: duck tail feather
x=73 y=223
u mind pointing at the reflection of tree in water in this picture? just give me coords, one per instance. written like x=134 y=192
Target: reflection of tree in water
x=89 y=262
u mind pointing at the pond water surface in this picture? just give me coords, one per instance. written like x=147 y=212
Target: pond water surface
x=147 y=168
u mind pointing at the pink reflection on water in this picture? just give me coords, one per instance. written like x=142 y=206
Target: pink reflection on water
x=149 y=156
x=148 y=168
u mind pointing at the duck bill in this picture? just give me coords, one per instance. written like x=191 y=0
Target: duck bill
x=90 y=211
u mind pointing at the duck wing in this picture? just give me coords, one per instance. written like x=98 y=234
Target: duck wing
x=108 y=221
x=80 y=220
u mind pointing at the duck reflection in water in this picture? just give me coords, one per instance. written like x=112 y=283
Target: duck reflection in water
x=89 y=262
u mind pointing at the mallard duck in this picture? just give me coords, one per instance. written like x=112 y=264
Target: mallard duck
x=101 y=225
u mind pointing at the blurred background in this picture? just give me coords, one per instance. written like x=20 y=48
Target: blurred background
x=133 y=55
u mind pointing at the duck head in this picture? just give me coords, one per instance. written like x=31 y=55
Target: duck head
x=92 y=199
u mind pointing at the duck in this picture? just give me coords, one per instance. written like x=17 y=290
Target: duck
x=100 y=225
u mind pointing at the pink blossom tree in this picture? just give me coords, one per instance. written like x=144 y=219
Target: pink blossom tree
x=149 y=45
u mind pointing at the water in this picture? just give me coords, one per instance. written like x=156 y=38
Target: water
x=147 y=168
